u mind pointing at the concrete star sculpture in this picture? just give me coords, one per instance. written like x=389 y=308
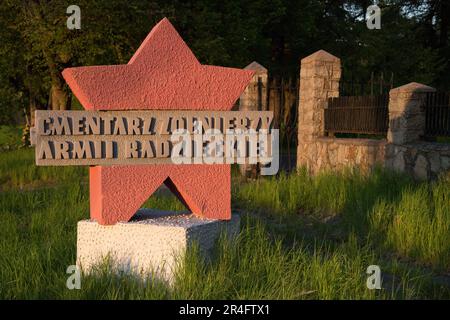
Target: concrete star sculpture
x=163 y=74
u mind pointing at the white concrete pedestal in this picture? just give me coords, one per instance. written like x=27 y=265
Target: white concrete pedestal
x=152 y=242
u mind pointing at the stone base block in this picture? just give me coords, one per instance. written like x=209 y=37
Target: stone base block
x=151 y=243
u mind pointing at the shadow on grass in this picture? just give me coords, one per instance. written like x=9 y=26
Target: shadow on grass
x=402 y=221
x=302 y=238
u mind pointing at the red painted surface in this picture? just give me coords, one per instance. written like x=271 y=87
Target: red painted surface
x=162 y=74
x=205 y=189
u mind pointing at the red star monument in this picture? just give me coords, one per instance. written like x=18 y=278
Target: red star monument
x=163 y=74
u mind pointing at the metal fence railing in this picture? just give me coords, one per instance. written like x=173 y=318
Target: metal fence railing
x=357 y=114
x=437 y=114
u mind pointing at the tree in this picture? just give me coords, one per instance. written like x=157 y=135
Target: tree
x=36 y=44
x=35 y=32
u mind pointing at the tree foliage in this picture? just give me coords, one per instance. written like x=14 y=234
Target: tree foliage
x=36 y=45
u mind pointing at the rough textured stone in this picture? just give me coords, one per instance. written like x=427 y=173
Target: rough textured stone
x=445 y=163
x=162 y=74
x=152 y=242
x=406 y=116
x=399 y=162
x=249 y=97
x=249 y=101
x=435 y=163
x=411 y=87
x=402 y=151
x=319 y=79
x=330 y=153
x=421 y=168
x=424 y=160
x=117 y=192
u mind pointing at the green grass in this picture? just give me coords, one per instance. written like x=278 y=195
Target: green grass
x=301 y=237
x=10 y=137
x=17 y=171
x=389 y=210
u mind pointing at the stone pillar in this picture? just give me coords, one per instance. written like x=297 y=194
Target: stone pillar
x=319 y=80
x=406 y=126
x=249 y=99
x=406 y=114
x=254 y=98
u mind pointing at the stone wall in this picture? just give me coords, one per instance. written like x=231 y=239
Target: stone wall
x=335 y=154
x=403 y=149
x=420 y=160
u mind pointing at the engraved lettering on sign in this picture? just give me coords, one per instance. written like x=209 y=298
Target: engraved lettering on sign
x=145 y=137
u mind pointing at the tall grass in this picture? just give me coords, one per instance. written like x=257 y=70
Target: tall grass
x=10 y=137
x=418 y=225
x=258 y=267
x=324 y=194
x=17 y=171
x=302 y=238
x=255 y=266
x=38 y=233
x=395 y=213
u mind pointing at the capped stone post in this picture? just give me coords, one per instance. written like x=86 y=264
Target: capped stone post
x=406 y=113
x=254 y=99
x=320 y=73
x=254 y=96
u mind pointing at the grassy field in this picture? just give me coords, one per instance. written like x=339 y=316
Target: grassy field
x=301 y=238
